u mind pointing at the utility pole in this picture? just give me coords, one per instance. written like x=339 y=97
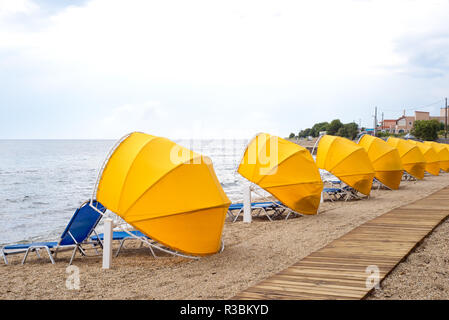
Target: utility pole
x=382 y=120
x=445 y=120
x=375 y=121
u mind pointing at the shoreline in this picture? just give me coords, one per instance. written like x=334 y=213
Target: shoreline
x=252 y=253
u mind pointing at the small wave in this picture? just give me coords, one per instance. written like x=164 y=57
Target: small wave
x=40 y=203
x=47 y=212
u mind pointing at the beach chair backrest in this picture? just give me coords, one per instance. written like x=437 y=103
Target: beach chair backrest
x=82 y=223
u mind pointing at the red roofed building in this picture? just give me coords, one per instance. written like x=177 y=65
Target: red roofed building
x=405 y=123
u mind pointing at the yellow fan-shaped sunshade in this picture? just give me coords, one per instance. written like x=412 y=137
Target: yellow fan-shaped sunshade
x=168 y=192
x=431 y=157
x=284 y=169
x=346 y=160
x=446 y=146
x=412 y=159
x=442 y=152
x=385 y=159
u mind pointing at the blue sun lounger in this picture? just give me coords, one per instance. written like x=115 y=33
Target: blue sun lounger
x=255 y=206
x=351 y=193
x=345 y=193
x=121 y=236
x=334 y=194
x=79 y=228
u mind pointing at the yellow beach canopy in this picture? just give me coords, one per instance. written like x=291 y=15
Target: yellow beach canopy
x=431 y=157
x=284 y=169
x=346 y=160
x=168 y=192
x=442 y=152
x=385 y=159
x=446 y=146
x=411 y=157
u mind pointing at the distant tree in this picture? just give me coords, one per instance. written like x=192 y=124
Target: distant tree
x=318 y=127
x=341 y=132
x=291 y=136
x=304 y=133
x=426 y=129
x=351 y=130
x=381 y=134
x=334 y=126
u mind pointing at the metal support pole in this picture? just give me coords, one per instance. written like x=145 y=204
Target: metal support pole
x=382 y=126
x=107 y=244
x=375 y=121
x=445 y=127
x=247 y=217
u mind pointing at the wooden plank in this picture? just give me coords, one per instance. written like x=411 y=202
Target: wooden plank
x=338 y=271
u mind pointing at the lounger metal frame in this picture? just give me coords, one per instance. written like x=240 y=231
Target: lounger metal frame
x=408 y=177
x=76 y=247
x=259 y=207
x=53 y=251
x=258 y=191
x=255 y=188
x=233 y=216
x=334 y=195
x=351 y=193
x=122 y=243
x=380 y=184
x=345 y=192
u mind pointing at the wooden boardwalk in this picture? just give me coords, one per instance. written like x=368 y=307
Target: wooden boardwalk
x=339 y=270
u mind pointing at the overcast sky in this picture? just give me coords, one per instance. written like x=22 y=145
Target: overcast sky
x=215 y=69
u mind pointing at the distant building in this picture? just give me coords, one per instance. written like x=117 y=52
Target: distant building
x=388 y=125
x=405 y=123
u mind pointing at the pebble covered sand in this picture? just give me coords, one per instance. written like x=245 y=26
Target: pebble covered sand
x=424 y=274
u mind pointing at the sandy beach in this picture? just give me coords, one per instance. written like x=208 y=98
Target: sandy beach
x=252 y=252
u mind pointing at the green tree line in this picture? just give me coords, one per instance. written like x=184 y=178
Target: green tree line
x=427 y=129
x=422 y=129
x=335 y=128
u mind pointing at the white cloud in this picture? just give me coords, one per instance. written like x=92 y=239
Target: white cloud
x=222 y=42
x=124 y=119
x=324 y=56
x=153 y=118
x=9 y=8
